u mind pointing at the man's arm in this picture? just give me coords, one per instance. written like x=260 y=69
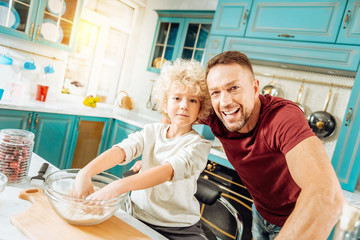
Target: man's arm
x=320 y=201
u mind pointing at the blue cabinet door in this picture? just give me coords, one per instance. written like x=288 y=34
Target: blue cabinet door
x=297 y=20
x=346 y=157
x=89 y=140
x=231 y=17
x=350 y=27
x=333 y=56
x=53 y=134
x=15 y=119
x=214 y=46
x=120 y=131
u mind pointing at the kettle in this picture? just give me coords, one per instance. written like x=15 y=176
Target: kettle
x=125 y=101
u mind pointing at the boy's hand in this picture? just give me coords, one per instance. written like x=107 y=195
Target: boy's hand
x=136 y=167
x=82 y=186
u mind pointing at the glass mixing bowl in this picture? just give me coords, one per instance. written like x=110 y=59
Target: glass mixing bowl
x=58 y=187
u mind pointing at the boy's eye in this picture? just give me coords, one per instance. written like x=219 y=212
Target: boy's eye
x=193 y=100
x=176 y=98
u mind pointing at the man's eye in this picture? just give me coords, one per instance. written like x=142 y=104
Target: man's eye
x=234 y=87
x=214 y=93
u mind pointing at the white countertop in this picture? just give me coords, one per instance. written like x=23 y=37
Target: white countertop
x=101 y=110
x=10 y=205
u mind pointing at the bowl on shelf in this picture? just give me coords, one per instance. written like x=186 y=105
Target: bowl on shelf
x=76 y=211
x=3 y=182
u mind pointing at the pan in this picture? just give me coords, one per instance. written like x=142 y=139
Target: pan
x=321 y=122
x=299 y=98
x=270 y=89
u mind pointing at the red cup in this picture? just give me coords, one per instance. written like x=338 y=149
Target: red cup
x=41 y=92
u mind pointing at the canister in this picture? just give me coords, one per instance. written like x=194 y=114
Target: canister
x=16 y=147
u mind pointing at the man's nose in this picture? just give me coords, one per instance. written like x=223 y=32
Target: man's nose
x=225 y=99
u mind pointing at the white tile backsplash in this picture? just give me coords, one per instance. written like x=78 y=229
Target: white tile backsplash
x=313 y=96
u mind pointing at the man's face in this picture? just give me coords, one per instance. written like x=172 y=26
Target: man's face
x=233 y=92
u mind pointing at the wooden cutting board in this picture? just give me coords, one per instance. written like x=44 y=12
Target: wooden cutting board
x=40 y=222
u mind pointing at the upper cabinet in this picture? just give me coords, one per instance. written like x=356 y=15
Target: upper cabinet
x=231 y=17
x=297 y=20
x=49 y=22
x=322 y=34
x=350 y=28
x=180 y=34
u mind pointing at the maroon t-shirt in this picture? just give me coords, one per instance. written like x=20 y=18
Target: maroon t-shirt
x=259 y=156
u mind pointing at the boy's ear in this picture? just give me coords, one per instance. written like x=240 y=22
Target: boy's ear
x=164 y=108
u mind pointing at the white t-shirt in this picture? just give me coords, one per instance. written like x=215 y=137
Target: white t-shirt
x=172 y=203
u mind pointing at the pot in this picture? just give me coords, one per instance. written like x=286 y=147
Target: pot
x=125 y=101
x=321 y=122
x=270 y=89
x=299 y=98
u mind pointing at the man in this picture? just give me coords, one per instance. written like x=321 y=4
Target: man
x=281 y=162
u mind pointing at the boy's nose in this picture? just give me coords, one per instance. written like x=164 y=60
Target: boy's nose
x=184 y=104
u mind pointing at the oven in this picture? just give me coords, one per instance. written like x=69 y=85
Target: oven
x=215 y=216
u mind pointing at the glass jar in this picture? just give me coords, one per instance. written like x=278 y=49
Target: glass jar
x=348 y=227
x=16 y=147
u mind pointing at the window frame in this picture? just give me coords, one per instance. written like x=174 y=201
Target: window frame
x=184 y=18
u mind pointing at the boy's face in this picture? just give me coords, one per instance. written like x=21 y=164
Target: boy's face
x=182 y=106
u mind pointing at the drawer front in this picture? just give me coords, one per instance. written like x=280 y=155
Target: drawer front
x=296 y=20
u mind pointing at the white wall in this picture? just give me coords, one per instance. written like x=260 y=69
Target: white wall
x=135 y=79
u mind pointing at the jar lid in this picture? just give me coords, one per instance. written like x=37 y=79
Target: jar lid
x=16 y=136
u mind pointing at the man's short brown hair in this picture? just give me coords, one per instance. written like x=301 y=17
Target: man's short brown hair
x=229 y=57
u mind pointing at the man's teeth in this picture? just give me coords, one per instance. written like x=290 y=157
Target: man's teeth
x=231 y=112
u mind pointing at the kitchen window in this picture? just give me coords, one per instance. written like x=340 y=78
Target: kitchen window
x=180 y=34
x=95 y=66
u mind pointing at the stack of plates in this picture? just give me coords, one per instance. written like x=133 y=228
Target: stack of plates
x=8 y=18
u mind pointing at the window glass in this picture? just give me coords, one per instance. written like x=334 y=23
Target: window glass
x=79 y=65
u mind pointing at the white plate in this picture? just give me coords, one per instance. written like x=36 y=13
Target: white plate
x=55 y=6
x=49 y=31
x=14 y=19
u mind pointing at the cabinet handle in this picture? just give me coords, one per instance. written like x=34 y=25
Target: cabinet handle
x=286 y=36
x=29 y=121
x=244 y=17
x=38 y=32
x=32 y=30
x=348 y=116
x=346 y=18
x=36 y=121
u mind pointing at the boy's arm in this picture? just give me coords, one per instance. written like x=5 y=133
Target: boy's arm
x=145 y=179
x=83 y=185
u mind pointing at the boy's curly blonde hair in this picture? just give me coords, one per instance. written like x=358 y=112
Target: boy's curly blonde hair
x=187 y=74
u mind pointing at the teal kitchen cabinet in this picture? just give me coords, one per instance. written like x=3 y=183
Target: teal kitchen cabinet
x=89 y=140
x=321 y=55
x=231 y=17
x=179 y=34
x=53 y=132
x=296 y=20
x=42 y=21
x=53 y=135
x=15 y=119
x=347 y=151
x=214 y=46
x=120 y=131
x=350 y=28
